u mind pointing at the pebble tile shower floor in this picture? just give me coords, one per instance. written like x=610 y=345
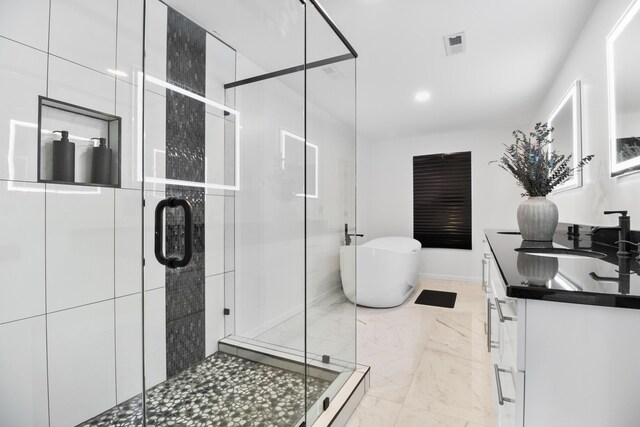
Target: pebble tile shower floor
x=224 y=390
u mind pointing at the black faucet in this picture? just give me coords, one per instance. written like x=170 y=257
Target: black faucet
x=624 y=231
x=347 y=236
x=624 y=276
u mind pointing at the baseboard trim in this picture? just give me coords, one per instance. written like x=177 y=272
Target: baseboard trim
x=451 y=277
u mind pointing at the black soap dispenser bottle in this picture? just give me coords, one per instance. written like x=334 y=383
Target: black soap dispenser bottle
x=64 y=158
x=101 y=162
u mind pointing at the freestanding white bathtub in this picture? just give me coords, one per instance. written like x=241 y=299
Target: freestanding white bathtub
x=387 y=271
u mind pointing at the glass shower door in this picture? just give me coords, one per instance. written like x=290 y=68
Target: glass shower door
x=330 y=206
x=190 y=159
x=221 y=236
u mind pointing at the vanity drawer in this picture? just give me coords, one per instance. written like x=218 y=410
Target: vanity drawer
x=498 y=290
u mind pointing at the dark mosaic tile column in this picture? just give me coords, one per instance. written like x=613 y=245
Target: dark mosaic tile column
x=185 y=131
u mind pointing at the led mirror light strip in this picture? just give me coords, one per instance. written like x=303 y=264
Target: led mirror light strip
x=627 y=17
x=236 y=113
x=283 y=135
x=573 y=95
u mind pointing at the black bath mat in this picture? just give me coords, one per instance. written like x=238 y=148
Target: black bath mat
x=437 y=298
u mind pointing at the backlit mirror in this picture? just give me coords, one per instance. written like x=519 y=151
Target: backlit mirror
x=623 y=75
x=567 y=132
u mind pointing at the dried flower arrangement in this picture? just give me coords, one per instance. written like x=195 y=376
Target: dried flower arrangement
x=537 y=168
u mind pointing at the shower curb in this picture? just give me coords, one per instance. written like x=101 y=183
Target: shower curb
x=334 y=413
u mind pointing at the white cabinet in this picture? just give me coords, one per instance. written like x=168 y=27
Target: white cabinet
x=561 y=365
x=502 y=342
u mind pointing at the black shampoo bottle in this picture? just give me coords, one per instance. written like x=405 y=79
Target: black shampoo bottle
x=64 y=158
x=101 y=163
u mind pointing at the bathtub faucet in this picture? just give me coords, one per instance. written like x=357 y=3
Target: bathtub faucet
x=347 y=236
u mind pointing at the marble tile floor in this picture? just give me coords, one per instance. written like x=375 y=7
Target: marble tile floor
x=429 y=365
x=224 y=390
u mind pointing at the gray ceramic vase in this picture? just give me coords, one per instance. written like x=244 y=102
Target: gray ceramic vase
x=537 y=219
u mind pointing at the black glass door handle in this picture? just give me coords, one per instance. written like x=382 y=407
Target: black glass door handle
x=173 y=262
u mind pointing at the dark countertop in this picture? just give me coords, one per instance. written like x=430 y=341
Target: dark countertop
x=566 y=279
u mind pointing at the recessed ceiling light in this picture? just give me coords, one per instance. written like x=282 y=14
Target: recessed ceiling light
x=422 y=96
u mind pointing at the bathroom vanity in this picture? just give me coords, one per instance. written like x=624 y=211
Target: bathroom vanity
x=563 y=332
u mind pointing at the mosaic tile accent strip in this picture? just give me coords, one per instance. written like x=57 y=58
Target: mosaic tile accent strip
x=185 y=153
x=224 y=390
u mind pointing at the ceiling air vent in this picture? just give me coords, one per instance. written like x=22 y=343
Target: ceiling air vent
x=455 y=43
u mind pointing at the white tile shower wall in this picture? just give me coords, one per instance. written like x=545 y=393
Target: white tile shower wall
x=80 y=242
x=269 y=219
x=23 y=76
x=23 y=369
x=336 y=201
x=494 y=204
x=82 y=86
x=229 y=233
x=268 y=288
x=22 y=288
x=155 y=107
x=229 y=302
x=129 y=44
x=156 y=41
x=155 y=337
x=221 y=66
x=131 y=145
x=128 y=346
x=26 y=22
x=84 y=32
x=214 y=317
x=81 y=355
x=214 y=235
x=154 y=272
x=128 y=241
x=587 y=62
x=363 y=167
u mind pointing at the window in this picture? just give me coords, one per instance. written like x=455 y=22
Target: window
x=442 y=200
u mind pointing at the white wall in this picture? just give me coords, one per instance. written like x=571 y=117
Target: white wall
x=363 y=179
x=587 y=62
x=388 y=194
x=385 y=195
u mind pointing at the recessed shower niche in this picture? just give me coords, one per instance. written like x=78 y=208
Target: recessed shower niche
x=77 y=145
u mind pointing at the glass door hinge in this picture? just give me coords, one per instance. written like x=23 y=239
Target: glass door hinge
x=325 y=404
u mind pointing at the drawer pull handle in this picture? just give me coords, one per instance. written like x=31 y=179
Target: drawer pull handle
x=501 y=316
x=490 y=343
x=501 y=398
x=484 y=272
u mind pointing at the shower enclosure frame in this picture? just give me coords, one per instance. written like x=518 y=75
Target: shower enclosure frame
x=312 y=409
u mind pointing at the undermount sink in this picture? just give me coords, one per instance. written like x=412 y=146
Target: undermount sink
x=561 y=252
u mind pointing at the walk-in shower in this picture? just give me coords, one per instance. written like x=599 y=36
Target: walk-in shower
x=199 y=282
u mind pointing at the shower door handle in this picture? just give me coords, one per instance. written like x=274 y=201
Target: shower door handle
x=172 y=262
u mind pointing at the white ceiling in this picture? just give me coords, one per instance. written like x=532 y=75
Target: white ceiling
x=514 y=50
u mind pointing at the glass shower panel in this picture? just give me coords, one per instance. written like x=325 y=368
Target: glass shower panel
x=269 y=216
x=330 y=205
x=224 y=230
